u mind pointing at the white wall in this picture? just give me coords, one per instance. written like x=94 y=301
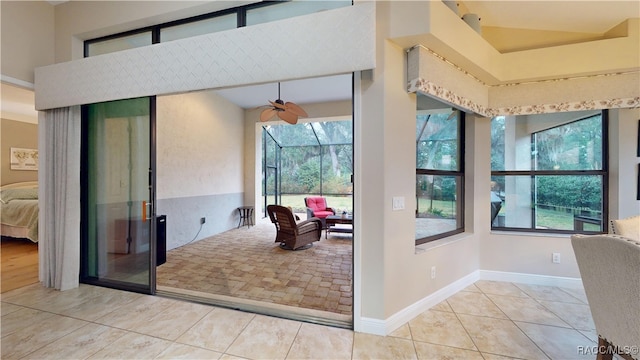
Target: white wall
x=200 y=157
x=395 y=275
x=27 y=37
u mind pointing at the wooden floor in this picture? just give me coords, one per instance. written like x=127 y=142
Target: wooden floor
x=19 y=263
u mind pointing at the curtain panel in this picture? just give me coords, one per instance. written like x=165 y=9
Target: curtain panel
x=59 y=193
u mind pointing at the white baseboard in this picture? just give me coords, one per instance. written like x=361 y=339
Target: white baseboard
x=385 y=327
x=532 y=279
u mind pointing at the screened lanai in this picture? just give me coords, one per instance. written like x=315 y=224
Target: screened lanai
x=308 y=159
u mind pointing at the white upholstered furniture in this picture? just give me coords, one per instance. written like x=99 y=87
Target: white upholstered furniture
x=627 y=227
x=610 y=270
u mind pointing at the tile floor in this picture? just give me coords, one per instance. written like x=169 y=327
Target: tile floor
x=487 y=320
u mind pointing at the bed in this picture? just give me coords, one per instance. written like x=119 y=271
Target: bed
x=19 y=210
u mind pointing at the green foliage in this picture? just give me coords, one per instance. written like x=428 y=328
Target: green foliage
x=578 y=192
x=298 y=156
x=575 y=145
x=436 y=212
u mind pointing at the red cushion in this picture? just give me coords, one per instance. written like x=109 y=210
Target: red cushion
x=316 y=203
x=322 y=213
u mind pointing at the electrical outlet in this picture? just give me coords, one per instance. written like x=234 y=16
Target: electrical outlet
x=555 y=258
x=433 y=272
x=203 y=220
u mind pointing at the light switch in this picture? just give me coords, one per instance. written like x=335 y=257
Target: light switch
x=398 y=202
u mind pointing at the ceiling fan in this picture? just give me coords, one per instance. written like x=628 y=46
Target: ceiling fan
x=286 y=111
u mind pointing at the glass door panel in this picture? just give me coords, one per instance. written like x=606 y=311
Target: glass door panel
x=118 y=231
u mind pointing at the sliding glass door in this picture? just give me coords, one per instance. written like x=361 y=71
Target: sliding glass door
x=118 y=195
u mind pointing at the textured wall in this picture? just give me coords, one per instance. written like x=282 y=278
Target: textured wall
x=200 y=147
x=184 y=213
x=325 y=43
x=16 y=134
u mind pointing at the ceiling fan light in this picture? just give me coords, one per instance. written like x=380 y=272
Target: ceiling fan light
x=277 y=105
x=288 y=111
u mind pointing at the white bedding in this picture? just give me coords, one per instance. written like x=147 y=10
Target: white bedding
x=19 y=210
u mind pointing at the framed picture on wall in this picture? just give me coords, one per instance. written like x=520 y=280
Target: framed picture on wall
x=24 y=159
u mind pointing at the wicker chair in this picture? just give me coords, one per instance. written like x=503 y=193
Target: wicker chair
x=292 y=235
x=609 y=269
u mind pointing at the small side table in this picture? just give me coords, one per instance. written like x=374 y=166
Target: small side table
x=246 y=216
x=333 y=220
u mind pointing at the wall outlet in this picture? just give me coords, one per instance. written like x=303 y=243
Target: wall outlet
x=433 y=272
x=203 y=220
x=555 y=258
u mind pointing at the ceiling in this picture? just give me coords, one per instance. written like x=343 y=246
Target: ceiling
x=306 y=91
x=588 y=16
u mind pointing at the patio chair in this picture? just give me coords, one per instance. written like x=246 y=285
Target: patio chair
x=609 y=266
x=317 y=207
x=292 y=235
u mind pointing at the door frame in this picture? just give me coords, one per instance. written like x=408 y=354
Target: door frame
x=84 y=216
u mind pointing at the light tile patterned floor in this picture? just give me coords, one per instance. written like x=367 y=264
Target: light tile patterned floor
x=487 y=320
x=246 y=263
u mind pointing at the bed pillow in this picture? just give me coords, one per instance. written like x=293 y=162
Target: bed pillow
x=7 y=195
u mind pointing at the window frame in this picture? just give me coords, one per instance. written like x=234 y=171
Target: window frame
x=460 y=173
x=240 y=11
x=603 y=172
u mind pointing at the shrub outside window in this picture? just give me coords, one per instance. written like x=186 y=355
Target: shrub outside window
x=549 y=172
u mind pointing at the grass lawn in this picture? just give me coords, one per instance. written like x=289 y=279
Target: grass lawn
x=446 y=209
x=339 y=203
x=549 y=219
x=559 y=220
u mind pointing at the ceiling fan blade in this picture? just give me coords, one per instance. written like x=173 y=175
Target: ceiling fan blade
x=288 y=116
x=294 y=108
x=267 y=114
x=277 y=105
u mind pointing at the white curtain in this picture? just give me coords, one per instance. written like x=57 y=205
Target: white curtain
x=59 y=178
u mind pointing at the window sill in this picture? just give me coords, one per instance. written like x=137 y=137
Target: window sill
x=529 y=233
x=419 y=249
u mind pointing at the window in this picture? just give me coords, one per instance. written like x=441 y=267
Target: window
x=549 y=172
x=119 y=43
x=232 y=18
x=287 y=9
x=308 y=159
x=439 y=171
x=200 y=27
